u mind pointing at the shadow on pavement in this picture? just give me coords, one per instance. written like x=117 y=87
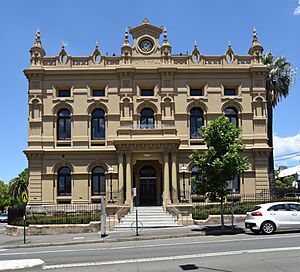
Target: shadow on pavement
x=217 y=230
x=187 y=267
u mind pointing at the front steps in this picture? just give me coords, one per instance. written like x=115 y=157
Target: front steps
x=150 y=217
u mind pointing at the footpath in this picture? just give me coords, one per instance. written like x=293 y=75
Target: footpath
x=113 y=236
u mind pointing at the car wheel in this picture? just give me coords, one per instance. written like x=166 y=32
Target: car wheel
x=268 y=227
x=256 y=231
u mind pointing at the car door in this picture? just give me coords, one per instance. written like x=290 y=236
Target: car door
x=295 y=212
x=281 y=215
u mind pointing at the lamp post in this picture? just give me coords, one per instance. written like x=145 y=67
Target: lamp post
x=110 y=171
x=183 y=170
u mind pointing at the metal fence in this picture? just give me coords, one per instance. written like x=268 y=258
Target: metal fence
x=240 y=204
x=55 y=214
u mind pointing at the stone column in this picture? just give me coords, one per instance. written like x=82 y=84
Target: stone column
x=128 y=179
x=174 y=178
x=121 y=177
x=166 y=193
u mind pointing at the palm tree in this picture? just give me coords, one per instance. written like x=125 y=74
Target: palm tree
x=19 y=185
x=279 y=82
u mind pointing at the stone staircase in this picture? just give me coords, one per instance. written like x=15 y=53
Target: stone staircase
x=150 y=217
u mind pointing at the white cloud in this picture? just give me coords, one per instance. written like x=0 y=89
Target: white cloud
x=297 y=10
x=285 y=146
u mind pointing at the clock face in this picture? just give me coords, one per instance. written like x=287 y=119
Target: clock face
x=146 y=45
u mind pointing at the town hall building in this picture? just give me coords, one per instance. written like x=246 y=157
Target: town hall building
x=125 y=125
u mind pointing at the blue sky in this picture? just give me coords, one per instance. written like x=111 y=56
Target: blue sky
x=81 y=23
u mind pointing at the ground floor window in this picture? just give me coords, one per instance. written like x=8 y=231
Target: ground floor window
x=236 y=185
x=98 y=181
x=64 y=181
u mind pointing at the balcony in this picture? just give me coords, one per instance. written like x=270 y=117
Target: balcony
x=146 y=131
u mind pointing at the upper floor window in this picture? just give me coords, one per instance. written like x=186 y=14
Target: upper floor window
x=230 y=91
x=98 y=181
x=64 y=125
x=147 y=118
x=64 y=93
x=232 y=116
x=64 y=181
x=98 y=124
x=196 y=92
x=196 y=122
x=147 y=92
x=98 y=92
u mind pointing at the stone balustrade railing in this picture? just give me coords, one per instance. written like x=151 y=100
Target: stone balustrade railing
x=113 y=61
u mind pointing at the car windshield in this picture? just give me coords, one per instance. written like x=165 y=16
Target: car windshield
x=255 y=208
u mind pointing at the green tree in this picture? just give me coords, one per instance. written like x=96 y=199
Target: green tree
x=19 y=185
x=284 y=184
x=278 y=84
x=4 y=197
x=222 y=161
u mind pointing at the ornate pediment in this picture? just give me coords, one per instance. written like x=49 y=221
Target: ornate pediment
x=146 y=39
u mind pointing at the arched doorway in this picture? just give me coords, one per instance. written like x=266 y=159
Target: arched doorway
x=148 y=186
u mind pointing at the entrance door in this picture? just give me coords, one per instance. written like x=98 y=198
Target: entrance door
x=148 y=186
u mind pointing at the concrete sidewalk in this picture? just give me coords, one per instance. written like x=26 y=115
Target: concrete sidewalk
x=112 y=236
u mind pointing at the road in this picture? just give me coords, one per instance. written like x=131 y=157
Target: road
x=243 y=252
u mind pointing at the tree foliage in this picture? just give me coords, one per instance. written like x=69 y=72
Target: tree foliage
x=19 y=185
x=222 y=161
x=280 y=78
x=285 y=183
x=279 y=81
x=4 y=197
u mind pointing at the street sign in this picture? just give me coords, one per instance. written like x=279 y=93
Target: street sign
x=24 y=197
x=134 y=191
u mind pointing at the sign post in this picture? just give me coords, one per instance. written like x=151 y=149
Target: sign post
x=103 y=217
x=24 y=200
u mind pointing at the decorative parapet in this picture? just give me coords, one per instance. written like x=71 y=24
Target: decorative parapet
x=146 y=51
x=113 y=61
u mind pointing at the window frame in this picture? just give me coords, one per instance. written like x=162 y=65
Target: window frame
x=98 y=119
x=230 y=116
x=98 y=90
x=61 y=91
x=227 y=91
x=194 y=119
x=193 y=90
x=236 y=185
x=66 y=180
x=197 y=175
x=66 y=124
x=142 y=92
x=100 y=180
x=144 y=119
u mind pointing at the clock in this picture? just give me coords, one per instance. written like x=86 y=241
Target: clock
x=146 y=45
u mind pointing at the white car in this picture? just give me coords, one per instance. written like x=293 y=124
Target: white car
x=269 y=217
x=3 y=217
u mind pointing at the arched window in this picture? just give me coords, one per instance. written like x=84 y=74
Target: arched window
x=195 y=175
x=196 y=122
x=64 y=181
x=98 y=181
x=98 y=124
x=232 y=116
x=147 y=118
x=64 y=125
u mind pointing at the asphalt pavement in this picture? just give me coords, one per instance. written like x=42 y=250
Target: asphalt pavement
x=112 y=236
x=226 y=253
